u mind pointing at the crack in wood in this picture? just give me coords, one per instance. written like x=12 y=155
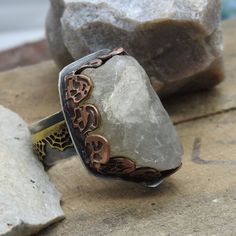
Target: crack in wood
x=204 y=116
x=196 y=151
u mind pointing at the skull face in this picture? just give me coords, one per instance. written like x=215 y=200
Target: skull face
x=78 y=88
x=98 y=150
x=86 y=118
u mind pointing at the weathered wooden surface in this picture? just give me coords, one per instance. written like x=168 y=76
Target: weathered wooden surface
x=200 y=199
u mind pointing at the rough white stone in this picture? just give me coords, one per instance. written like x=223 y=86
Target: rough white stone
x=133 y=118
x=178 y=42
x=28 y=200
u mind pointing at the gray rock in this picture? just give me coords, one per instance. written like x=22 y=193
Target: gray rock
x=133 y=118
x=28 y=200
x=178 y=42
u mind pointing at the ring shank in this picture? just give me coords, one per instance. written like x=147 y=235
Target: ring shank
x=51 y=140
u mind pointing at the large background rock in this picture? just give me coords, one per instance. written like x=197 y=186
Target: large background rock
x=28 y=200
x=179 y=42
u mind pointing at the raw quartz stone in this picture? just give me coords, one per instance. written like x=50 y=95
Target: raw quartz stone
x=178 y=42
x=28 y=200
x=133 y=118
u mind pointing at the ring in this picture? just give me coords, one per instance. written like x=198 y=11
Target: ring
x=72 y=131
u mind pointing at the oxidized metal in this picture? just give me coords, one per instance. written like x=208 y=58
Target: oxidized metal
x=78 y=87
x=82 y=120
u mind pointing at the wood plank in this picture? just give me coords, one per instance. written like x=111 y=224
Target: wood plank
x=200 y=199
x=27 y=54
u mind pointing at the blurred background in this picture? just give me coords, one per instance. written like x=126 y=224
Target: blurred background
x=22 y=21
x=228 y=9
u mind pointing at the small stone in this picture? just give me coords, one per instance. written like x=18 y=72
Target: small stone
x=133 y=118
x=178 y=42
x=29 y=202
